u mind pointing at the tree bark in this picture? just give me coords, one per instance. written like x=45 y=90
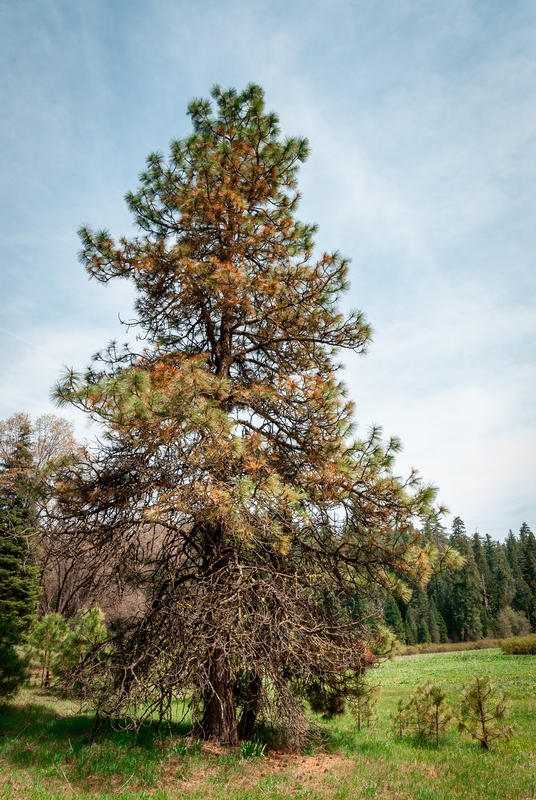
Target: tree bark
x=219 y=717
x=251 y=707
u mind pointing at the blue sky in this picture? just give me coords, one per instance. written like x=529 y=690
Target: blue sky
x=421 y=117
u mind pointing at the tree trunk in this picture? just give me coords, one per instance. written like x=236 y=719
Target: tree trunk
x=219 y=717
x=251 y=707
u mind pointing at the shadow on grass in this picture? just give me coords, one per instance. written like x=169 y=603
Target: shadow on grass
x=34 y=736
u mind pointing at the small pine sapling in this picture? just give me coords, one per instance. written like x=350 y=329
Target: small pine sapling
x=401 y=719
x=45 y=640
x=419 y=714
x=439 y=712
x=482 y=712
x=87 y=633
x=426 y=714
x=364 y=701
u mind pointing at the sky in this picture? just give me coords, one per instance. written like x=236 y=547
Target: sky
x=421 y=117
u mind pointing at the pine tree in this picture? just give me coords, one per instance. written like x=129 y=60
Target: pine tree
x=393 y=618
x=504 y=579
x=229 y=488
x=523 y=598
x=465 y=588
x=410 y=627
x=44 y=643
x=423 y=634
x=19 y=587
x=422 y=609
x=425 y=715
x=527 y=542
x=437 y=627
x=439 y=590
x=482 y=713
x=442 y=625
x=487 y=579
x=430 y=713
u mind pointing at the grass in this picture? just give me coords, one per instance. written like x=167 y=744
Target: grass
x=46 y=753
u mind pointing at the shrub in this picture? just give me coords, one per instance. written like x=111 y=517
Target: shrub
x=520 y=645
x=448 y=647
x=12 y=670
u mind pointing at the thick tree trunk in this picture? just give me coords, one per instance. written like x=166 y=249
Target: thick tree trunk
x=219 y=718
x=251 y=707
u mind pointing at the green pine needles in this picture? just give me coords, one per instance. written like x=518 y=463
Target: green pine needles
x=19 y=586
x=426 y=715
x=483 y=711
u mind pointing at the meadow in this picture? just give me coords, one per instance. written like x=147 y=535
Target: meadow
x=46 y=752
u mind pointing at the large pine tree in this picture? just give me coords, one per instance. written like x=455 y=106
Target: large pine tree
x=229 y=490
x=466 y=589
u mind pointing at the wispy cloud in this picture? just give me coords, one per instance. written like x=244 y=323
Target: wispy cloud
x=421 y=118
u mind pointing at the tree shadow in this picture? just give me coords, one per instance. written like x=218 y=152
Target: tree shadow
x=35 y=736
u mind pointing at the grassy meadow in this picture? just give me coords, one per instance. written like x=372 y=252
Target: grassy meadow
x=45 y=750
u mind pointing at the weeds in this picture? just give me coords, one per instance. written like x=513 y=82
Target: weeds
x=252 y=749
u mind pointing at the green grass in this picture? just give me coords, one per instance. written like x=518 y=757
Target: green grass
x=46 y=751
x=459 y=767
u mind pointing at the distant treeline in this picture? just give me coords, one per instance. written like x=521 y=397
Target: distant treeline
x=493 y=594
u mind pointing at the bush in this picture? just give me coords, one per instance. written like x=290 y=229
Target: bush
x=520 y=645
x=448 y=647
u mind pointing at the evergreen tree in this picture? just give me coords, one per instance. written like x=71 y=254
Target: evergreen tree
x=393 y=618
x=482 y=712
x=443 y=631
x=410 y=627
x=45 y=641
x=527 y=550
x=229 y=444
x=487 y=579
x=458 y=529
x=439 y=592
x=523 y=598
x=423 y=634
x=19 y=587
x=465 y=588
x=437 y=627
x=504 y=580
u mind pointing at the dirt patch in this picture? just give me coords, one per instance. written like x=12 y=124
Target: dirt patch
x=286 y=770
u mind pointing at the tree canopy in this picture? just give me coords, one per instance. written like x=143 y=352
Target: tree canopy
x=229 y=489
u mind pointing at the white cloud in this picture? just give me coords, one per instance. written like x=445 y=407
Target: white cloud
x=421 y=118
